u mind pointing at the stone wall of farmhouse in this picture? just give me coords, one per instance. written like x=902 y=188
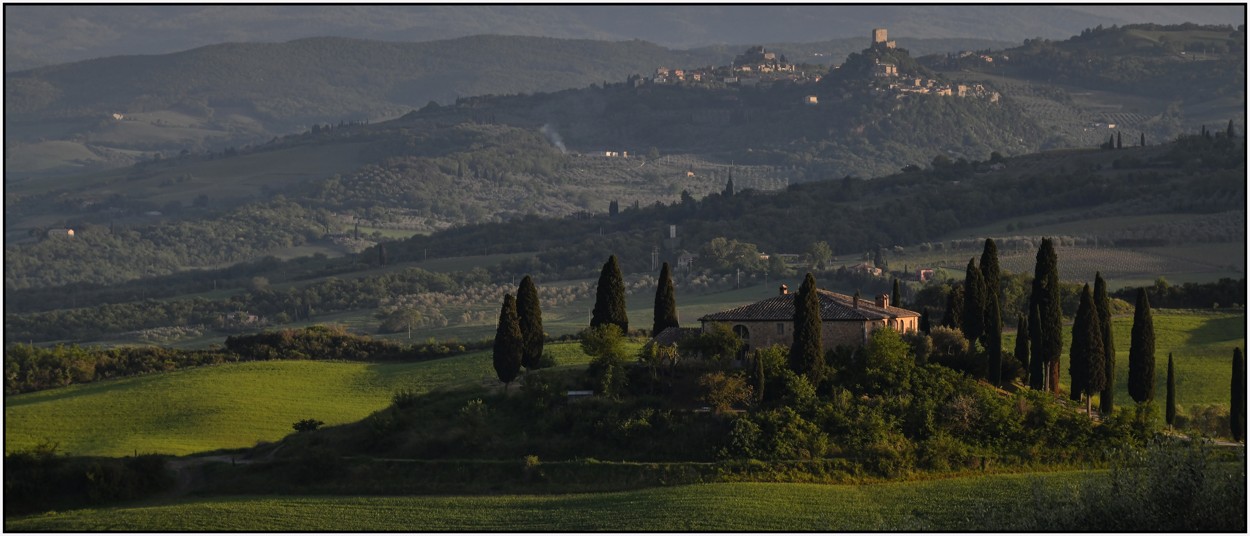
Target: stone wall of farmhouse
x=762 y=334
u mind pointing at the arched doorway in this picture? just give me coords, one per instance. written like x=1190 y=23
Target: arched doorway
x=745 y=334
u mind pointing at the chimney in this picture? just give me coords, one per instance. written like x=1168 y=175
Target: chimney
x=784 y=290
x=883 y=300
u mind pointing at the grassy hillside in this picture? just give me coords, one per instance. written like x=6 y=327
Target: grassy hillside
x=1201 y=342
x=954 y=504
x=227 y=406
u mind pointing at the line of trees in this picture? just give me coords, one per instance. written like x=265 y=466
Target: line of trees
x=32 y=368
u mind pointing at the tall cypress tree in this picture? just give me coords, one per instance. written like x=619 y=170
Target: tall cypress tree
x=954 y=307
x=1078 y=354
x=1097 y=380
x=806 y=353
x=610 y=297
x=530 y=317
x=1229 y=132
x=508 y=343
x=1048 y=343
x=1170 y=415
x=973 y=324
x=896 y=297
x=990 y=271
x=925 y=327
x=1037 y=364
x=1237 y=406
x=729 y=186
x=993 y=339
x=1106 y=400
x=665 y=303
x=1085 y=356
x=1143 y=139
x=1022 y=344
x=1119 y=141
x=1141 y=351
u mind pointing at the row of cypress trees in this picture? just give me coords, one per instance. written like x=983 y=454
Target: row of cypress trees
x=519 y=334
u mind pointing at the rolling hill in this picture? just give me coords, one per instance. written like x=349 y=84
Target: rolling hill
x=60 y=118
x=42 y=35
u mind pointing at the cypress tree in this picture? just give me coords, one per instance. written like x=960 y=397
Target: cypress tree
x=508 y=342
x=1106 y=400
x=665 y=303
x=924 y=321
x=993 y=339
x=1085 y=364
x=1170 y=415
x=954 y=307
x=1230 y=131
x=1141 y=351
x=614 y=208
x=530 y=318
x=1237 y=406
x=896 y=297
x=610 y=298
x=1119 y=141
x=1037 y=365
x=806 y=354
x=729 y=186
x=1022 y=344
x=973 y=324
x=990 y=271
x=1097 y=380
x=1078 y=356
x=1143 y=139
x=1048 y=343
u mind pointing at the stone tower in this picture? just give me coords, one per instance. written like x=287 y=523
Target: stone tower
x=880 y=39
x=879 y=36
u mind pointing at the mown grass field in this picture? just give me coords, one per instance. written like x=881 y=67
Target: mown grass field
x=228 y=406
x=1201 y=342
x=951 y=504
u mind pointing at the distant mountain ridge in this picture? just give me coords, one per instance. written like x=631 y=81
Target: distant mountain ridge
x=48 y=34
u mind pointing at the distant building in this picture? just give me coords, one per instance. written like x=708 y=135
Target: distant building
x=69 y=233
x=880 y=39
x=882 y=70
x=811 y=100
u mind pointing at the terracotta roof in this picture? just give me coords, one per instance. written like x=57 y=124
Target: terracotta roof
x=675 y=335
x=833 y=306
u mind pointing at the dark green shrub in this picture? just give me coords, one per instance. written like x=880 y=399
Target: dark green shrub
x=942 y=452
x=307 y=425
x=405 y=398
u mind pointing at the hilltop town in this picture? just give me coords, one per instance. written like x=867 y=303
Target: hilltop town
x=758 y=67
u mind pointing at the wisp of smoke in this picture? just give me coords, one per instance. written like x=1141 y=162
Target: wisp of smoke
x=553 y=137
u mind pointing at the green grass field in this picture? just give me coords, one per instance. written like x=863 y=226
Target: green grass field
x=951 y=504
x=228 y=406
x=1202 y=343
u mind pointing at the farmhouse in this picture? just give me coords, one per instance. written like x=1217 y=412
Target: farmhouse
x=844 y=320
